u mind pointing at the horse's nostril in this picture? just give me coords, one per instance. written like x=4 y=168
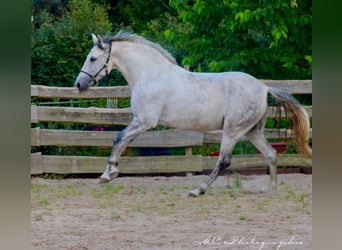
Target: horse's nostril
x=78 y=85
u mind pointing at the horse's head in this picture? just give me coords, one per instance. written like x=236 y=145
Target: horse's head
x=95 y=66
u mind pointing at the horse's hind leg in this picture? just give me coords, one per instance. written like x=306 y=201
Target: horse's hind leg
x=256 y=136
x=222 y=163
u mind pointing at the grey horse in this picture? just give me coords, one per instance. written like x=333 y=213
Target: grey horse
x=165 y=93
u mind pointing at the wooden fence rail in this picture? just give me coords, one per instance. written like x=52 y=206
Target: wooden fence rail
x=94 y=115
x=292 y=86
x=159 y=139
x=151 y=164
x=61 y=164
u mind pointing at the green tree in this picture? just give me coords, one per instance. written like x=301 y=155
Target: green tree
x=135 y=15
x=268 y=39
x=55 y=7
x=60 y=44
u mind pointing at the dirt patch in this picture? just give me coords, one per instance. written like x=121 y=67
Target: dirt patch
x=156 y=213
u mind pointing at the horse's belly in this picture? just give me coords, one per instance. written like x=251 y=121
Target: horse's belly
x=203 y=122
x=198 y=110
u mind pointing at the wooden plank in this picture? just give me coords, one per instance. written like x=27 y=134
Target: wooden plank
x=169 y=138
x=73 y=164
x=73 y=93
x=291 y=86
x=153 y=164
x=165 y=138
x=98 y=115
x=245 y=161
x=34 y=114
x=133 y=165
x=85 y=115
x=35 y=137
x=215 y=136
x=76 y=138
x=34 y=90
x=161 y=164
x=36 y=163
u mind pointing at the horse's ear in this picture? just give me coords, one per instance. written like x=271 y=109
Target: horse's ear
x=99 y=41
x=95 y=40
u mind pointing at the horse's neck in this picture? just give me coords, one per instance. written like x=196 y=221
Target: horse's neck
x=138 y=63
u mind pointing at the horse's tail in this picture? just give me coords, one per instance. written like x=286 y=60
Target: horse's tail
x=298 y=118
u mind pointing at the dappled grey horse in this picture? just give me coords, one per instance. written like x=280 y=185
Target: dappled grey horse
x=165 y=93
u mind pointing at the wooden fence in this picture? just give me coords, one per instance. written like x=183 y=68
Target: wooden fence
x=62 y=164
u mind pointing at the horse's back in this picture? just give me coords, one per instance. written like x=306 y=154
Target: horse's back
x=232 y=79
x=229 y=87
x=202 y=101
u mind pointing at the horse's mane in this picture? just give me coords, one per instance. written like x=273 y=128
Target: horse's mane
x=131 y=37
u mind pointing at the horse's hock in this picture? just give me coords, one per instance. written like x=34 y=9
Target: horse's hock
x=188 y=163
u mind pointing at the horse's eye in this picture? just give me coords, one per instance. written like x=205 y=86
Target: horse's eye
x=92 y=59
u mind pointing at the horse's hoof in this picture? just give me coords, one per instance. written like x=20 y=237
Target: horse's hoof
x=114 y=175
x=196 y=192
x=193 y=194
x=268 y=190
x=103 y=181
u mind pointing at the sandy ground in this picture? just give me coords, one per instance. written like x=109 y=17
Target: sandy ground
x=156 y=213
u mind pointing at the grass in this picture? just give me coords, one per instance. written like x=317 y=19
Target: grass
x=169 y=200
x=116 y=216
x=260 y=205
x=67 y=190
x=38 y=188
x=38 y=194
x=176 y=190
x=302 y=200
x=243 y=217
x=44 y=201
x=143 y=205
x=236 y=183
x=39 y=217
x=203 y=211
x=106 y=191
x=166 y=210
x=140 y=189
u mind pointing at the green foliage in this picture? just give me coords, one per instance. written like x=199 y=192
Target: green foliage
x=55 y=7
x=60 y=44
x=137 y=13
x=268 y=39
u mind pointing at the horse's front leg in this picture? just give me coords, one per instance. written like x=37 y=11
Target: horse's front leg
x=120 y=143
x=111 y=170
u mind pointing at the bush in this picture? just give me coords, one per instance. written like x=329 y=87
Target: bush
x=60 y=44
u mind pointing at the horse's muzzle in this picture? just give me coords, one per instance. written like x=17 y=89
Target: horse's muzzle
x=81 y=87
x=82 y=83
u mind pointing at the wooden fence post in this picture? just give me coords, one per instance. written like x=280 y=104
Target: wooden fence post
x=188 y=150
x=112 y=103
